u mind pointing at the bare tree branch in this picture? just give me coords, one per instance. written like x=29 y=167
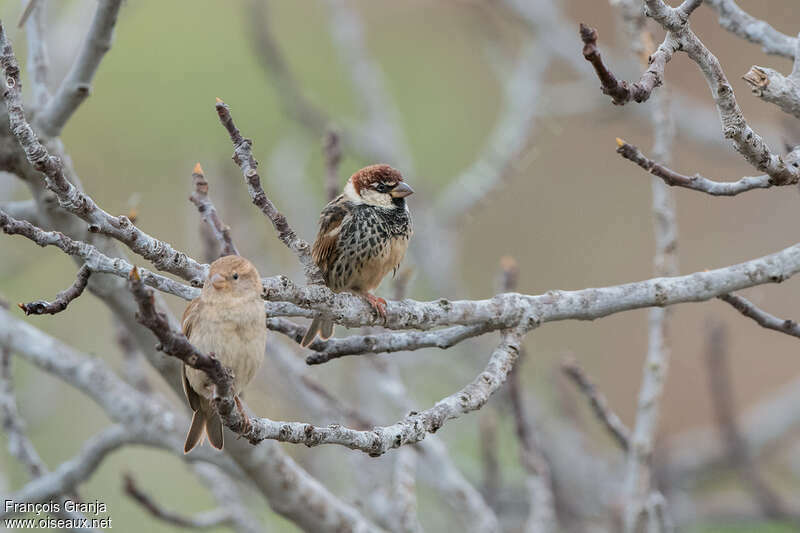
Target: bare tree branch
x=762 y=318
x=508 y=140
x=383 y=125
x=79 y=468
x=332 y=148
x=23 y=209
x=542 y=513
x=243 y=156
x=615 y=426
x=739 y=456
x=772 y=86
x=737 y=21
x=621 y=92
x=225 y=491
x=94 y=260
x=63 y=298
x=325 y=351
x=38 y=63
x=161 y=254
x=133 y=360
x=377 y=441
x=680 y=37
x=403 y=490
x=206 y=520
x=696 y=182
x=209 y=213
x=76 y=86
x=19 y=445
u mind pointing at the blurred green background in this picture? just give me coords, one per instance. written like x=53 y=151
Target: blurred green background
x=574 y=214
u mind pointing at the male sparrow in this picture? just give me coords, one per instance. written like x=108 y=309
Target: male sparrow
x=363 y=234
x=227 y=320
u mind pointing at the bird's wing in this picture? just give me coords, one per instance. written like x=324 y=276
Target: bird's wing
x=195 y=400
x=190 y=316
x=188 y=320
x=326 y=249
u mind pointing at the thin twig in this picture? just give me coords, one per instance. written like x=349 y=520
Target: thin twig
x=206 y=520
x=63 y=298
x=616 y=428
x=621 y=92
x=762 y=318
x=332 y=148
x=696 y=182
x=209 y=213
x=243 y=156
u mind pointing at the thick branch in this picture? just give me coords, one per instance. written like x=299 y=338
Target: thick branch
x=63 y=298
x=209 y=213
x=762 y=318
x=77 y=85
x=243 y=156
x=772 y=86
x=506 y=310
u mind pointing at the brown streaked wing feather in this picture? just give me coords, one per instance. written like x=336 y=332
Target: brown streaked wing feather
x=325 y=249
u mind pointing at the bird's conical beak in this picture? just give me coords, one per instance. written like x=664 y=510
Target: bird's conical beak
x=401 y=190
x=217 y=280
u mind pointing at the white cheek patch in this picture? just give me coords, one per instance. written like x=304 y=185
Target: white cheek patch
x=351 y=194
x=373 y=197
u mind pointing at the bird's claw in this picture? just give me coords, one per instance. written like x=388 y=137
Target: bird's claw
x=246 y=424
x=378 y=304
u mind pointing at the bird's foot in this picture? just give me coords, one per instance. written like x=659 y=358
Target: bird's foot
x=246 y=424
x=378 y=304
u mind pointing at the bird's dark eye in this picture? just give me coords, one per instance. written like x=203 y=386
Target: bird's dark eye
x=381 y=187
x=235 y=275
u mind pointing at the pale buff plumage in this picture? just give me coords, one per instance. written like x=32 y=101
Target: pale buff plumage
x=226 y=320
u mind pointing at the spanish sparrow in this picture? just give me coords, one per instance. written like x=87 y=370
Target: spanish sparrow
x=363 y=234
x=226 y=320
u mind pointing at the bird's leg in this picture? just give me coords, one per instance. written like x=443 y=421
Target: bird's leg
x=378 y=304
x=246 y=425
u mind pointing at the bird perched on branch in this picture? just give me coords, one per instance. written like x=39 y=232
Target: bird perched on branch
x=363 y=235
x=227 y=320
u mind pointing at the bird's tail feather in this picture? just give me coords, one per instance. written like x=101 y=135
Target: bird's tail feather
x=214 y=429
x=196 y=433
x=205 y=421
x=319 y=326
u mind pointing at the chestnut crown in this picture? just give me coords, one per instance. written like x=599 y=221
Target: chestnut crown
x=379 y=185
